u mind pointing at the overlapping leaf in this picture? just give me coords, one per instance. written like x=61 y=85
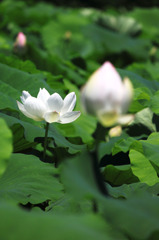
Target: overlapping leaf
x=27 y=179
x=6 y=145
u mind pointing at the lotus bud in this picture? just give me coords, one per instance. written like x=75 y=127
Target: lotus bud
x=115 y=131
x=20 y=43
x=106 y=96
x=67 y=35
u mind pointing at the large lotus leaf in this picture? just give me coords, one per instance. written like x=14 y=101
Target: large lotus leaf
x=7 y=90
x=105 y=148
x=137 y=217
x=141 y=99
x=39 y=14
x=143 y=82
x=151 y=148
x=64 y=38
x=27 y=179
x=154 y=103
x=6 y=145
x=19 y=141
x=8 y=96
x=143 y=124
x=64 y=25
x=145 y=164
x=22 y=14
x=142 y=168
x=68 y=204
x=129 y=190
x=148 y=70
x=63 y=142
x=14 y=62
x=14 y=81
x=123 y=145
x=115 y=145
x=19 y=81
x=72 y=72
x=105 y=41
x=149 y=19
x=4 y=43
x=153 y=138
x=39 y=225
x=15 y=12
x=118 y=175
x=27 y=66
x=139 y=81
x=152 y=69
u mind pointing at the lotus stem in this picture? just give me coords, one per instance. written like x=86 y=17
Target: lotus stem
x=45 y=140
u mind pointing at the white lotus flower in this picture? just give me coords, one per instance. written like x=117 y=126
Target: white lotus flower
x=107 y=96
x=51 y=108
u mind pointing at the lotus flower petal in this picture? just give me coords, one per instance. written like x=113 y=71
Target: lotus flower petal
x=35 y=107
x=69 y=117
x=126 y=119
x=55 y=102
x=104 y=81
x=69 y=103
x=24 y=96
x=127 y=94
x=108 y=119
x=43 y=95
x=51 y=117
x=23 y=110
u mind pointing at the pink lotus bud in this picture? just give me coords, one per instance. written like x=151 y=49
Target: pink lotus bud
x=20 y=43
x=106 y=95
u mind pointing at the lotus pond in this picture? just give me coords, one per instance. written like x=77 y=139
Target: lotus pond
x=78 y=177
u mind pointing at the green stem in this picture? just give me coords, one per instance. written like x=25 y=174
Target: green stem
x=95 y=207
x=45 y=140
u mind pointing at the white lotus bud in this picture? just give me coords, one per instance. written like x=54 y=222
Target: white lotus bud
x=106 y=95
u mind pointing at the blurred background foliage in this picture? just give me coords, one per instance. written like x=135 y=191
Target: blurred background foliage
x=102 y=4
